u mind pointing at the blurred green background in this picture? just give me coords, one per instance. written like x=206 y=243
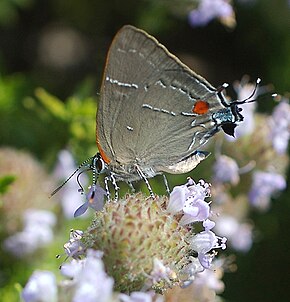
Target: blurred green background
x=52 y=55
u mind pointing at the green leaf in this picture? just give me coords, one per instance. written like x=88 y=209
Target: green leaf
x=5 y=182
x=55 y=106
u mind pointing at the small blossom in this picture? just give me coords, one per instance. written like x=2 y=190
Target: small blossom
x=208 y=10
x=70 y=197
x=190 y=199
x=208 y=224
x=37 y=232
x=203 y=243
x=92 y=283
x=189 y=272
x=211 y=279
x=238 y=234
x=137 y=297
x=94 y=199
x=72 y=269
x=194 y=209
x=244 y=89
x=280 y=127
x=74 y=247
x=161 y=272
x=177 y=199
x=226 y=169
x=41 y=287
x=265 y=184
x=39 y=217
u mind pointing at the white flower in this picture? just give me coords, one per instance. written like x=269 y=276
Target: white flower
x=41 y=287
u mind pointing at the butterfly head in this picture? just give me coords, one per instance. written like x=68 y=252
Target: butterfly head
x=228 y=118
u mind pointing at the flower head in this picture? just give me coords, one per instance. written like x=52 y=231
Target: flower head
x=41 y=287
x=280 y=127
x=226 y=169
x=37 y=232
x=265 y=184
x=207 y=10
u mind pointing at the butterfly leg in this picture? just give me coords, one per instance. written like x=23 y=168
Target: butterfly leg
x=142 y=176
x=108 y=194
x=131 y=187
x=166 y=184
x=116 y=187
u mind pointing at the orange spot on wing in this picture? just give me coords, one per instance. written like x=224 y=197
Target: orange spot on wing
x=200 y=107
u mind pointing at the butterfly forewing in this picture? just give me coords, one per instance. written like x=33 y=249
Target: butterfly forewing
x=147 y=96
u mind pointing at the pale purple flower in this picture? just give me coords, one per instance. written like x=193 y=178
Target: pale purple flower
x=203 y=243
x=72 y=269
x=195 y=209
x=94 y=199
x=239 y=235
x=280 y=127
x=189 y=199
x=177 y=199
x=211 y=279
x=161 y=272
x=137 y=297
x=40 y=217
x=37 y=232
x=226 y=169
x=41 y=287
x=264 y=185
x=92 y=283
x=74 y=247
x=208 y=10
x=70 y=197
x=208 y=224
x=190 y=271
x=243 y=239
x=244 y=89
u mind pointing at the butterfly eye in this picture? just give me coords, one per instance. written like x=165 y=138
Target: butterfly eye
x=99 y=164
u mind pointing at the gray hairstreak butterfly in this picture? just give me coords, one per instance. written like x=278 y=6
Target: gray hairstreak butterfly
x=155 y=113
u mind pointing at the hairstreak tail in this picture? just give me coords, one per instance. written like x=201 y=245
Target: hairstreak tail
x=155 y=113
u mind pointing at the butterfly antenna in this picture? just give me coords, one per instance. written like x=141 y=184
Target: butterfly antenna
x=246 y=100
x=67 y=180
x=81 y=189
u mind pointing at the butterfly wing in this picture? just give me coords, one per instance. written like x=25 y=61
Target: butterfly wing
x=145 y=112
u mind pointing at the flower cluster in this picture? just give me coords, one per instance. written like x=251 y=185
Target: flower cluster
x=253 y=164
x=146 y=245
x=37 y=232
x=140 y=249
x=207 y=10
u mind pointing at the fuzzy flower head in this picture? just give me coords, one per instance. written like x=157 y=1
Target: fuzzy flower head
x=29 y=190
x=153 y=240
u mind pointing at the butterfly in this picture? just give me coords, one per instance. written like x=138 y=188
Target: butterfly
x=154 y=113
